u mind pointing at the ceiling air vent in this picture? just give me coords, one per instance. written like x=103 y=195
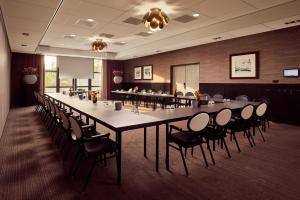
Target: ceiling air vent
x=106 y=35
x=144 y=34
x=86 y=23
x=72 y=36
x=185 y=18
x=292 y=22
x=133 y=21
x=119 y=43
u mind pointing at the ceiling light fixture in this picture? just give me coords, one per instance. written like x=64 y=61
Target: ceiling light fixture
x=90 y=20
x=196 y=15
x=155 y=19
x=98 y=45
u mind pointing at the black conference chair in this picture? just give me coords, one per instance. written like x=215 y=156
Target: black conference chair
x=92 y=145
x=217 y=131
x=266 y=116
x=191 y=137
x=218 y=96
x=242 y=123
x=242 y=98
x=259 y=118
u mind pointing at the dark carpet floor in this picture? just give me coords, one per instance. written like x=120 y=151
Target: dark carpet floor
x=31 y=167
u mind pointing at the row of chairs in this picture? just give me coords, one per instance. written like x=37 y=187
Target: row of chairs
x=201 y=129
x=69 y=131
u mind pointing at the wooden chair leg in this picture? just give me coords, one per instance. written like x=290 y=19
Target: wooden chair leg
x=261 y=134
x=89 y=174
x=183 y=159
x=224 y=142
x=236 y=142
x=203 y=154
x=210 y=152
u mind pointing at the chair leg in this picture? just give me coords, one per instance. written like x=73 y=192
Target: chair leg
x=248 y=136
x=203 y=154
x=183 y=159
x=77 y=165
x=261 y=134
x=253 y=142
x=210 y=152
x=89 y=174
x=224 y=142
x=236 y=142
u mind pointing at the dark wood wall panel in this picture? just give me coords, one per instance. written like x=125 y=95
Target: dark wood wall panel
x=285 y=98
x=21 y=93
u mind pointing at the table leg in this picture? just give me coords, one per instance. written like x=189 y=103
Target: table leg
x=119 y=155
x=157 y=147
x=167 y=147
x=145 y=142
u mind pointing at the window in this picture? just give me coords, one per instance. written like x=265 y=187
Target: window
x=97 y=80
x=55 y=84
x=50 y=74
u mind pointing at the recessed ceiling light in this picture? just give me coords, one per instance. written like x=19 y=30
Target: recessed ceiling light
x=25 y=34
x=24 y=45
x=150 y=32
x=196 y=15
x=123 y=42
x=73 y=35
x=90 y=20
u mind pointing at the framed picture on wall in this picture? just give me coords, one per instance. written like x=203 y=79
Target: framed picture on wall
x=147 y=72
x=244 y=65
x=137 y=73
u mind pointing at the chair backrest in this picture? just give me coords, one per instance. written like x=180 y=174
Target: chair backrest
x=65 y=120
x=261 y=109
x=159 y=92
x=57 y=111
x=179 y=93
x=218 y=96
x=264 y=100
x=52 y=109
x=143 y=90
x=247 y=112
x=198 y=122
x=242 y=98
x=223 y=117
x=149 y=91
x=76 y=128
x=189 y=94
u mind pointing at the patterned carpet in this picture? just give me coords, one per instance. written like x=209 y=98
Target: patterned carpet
x=31 y=167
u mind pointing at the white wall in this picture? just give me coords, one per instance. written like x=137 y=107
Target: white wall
x=4 y=75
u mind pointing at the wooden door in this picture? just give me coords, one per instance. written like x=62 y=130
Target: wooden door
x=179 y=78
x=192 y=78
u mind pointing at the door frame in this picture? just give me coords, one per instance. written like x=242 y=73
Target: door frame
x=179 y=65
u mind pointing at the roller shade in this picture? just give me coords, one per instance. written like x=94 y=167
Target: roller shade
x=75 y=67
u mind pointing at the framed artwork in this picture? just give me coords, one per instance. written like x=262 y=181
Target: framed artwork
x=137 y=73
x=244 y=65
x=147 y=72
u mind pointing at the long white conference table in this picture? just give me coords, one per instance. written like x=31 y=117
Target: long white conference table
x=104 y=113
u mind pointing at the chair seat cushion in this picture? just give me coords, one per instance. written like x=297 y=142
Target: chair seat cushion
x=213 y=133
x=185 y=139
x=100 y=145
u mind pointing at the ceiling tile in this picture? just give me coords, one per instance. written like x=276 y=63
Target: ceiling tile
x=262 y=4
x=223 y=11
x=116 y=4
x=250 y=30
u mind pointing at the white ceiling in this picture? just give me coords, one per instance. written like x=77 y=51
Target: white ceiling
x=218 y=18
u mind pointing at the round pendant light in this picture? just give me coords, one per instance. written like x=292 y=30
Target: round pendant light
x=98 y=45
x=155 y=19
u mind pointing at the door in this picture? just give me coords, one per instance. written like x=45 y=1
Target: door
x=192 y=78
x=179 y=79
x=186 y=78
